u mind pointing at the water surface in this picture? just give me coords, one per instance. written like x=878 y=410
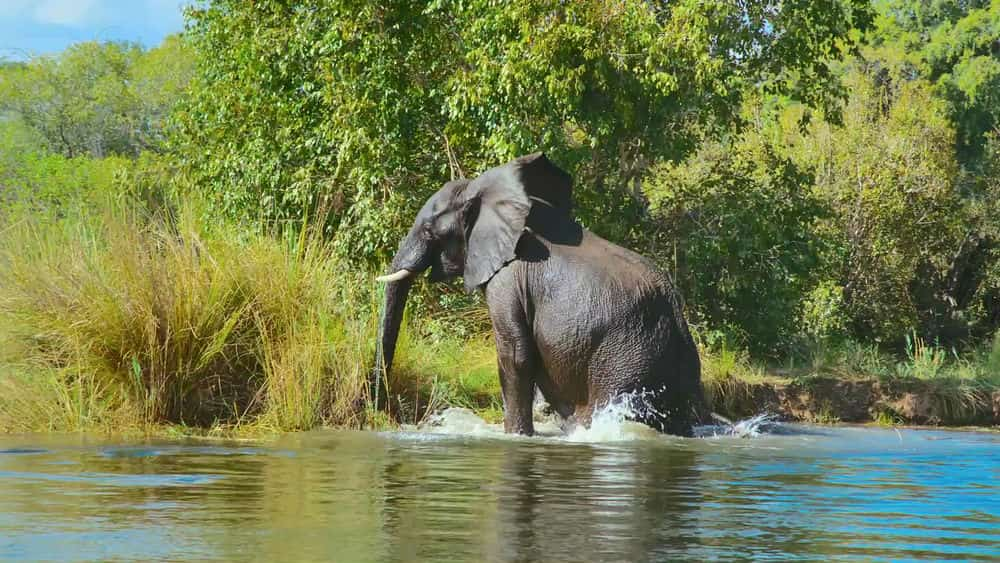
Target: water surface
x=802 y=492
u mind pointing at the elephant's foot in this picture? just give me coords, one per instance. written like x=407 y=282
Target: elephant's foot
x=522 y=427
x=583 y=415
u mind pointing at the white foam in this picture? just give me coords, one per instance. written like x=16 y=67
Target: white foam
x=613 y=422
x=746 y=428
x=460 y=421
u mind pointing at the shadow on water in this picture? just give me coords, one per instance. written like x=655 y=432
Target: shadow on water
x=797 y=492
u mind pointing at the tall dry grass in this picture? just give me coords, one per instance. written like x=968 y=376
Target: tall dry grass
x=125 y=321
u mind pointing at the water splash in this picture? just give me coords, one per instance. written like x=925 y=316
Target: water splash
x=459 y=421
x=752 y=427
x=613 y=422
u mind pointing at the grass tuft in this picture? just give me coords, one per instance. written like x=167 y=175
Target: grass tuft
x=132 y=320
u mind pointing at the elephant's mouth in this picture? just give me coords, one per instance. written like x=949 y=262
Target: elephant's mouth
x=438 y=272
x=443 y=270
x=447 y=262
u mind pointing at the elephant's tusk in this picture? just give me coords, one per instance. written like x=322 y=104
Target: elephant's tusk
x=395 y=277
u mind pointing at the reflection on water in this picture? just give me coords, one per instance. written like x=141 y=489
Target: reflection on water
x=802 y=492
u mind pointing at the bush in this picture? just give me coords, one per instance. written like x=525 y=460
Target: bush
x=822 y=315
x=992 y=362
x=904 y=240
x=98 y=99
x=122 y=319
x=739 y=219
x=34 y=180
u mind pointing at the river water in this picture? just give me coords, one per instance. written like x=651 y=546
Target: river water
x=460 y=491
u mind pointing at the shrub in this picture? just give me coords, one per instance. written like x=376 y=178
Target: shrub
x=738 y=219
x=905 y=243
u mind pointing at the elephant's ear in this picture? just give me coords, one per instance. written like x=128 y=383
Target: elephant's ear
x=498 y=205
x=545 y=182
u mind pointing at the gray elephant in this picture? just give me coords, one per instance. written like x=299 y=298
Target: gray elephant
x=584 y=320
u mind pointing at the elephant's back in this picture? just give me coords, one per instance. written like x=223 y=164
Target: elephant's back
x=608 y=311
x=600 y=267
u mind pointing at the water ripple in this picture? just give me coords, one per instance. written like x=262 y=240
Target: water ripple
x=791 y=493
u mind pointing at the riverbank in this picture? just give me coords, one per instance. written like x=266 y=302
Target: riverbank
x=913 y=391
x=463 y=375
x=824 y=399
x=125 y=322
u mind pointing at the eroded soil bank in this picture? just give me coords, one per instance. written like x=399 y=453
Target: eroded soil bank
x=827 y=399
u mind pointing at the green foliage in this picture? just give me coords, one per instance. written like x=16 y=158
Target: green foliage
x=98 y=99
x=34 y=180
x=316 y=105
x=366 y=108
x=435 y=373
x=952 y=44
x=924 y=361
x=993 y=358
x=899 y=221
x=887 y=417
x=127 y=320
x=739 y=217
x=155 y=321
x=823 y=316
x=981 y=250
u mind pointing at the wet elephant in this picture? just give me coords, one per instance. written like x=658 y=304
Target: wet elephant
x=584 y=320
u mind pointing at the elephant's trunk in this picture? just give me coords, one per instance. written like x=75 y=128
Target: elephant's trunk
x=392 y=318
x=413 y=257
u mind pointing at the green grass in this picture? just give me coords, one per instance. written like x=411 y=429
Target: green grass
x=729 y=379
x=887 y=417
x=935 y=386
x=122 y=321
x=432 y=373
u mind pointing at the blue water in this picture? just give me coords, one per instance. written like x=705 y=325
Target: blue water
x=799 y=493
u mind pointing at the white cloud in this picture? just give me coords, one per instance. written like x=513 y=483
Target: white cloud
x=71 y=13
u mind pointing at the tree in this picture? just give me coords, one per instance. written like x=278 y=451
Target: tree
x=98 y=99
x=738 y=219
x=366 y=108
x=891 y=176
x=954 y=44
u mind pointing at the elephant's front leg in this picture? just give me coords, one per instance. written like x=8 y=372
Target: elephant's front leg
x=516 y=361
x=517 y=356
x=516 y=365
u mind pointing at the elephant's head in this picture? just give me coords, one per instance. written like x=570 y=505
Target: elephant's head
x=470 y=228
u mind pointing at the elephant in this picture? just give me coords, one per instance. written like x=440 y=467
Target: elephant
x=582 y=319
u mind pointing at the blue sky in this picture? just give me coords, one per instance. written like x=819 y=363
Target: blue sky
x=47 y=26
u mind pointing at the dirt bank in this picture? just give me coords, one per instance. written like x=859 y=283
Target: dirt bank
x=828 y=399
